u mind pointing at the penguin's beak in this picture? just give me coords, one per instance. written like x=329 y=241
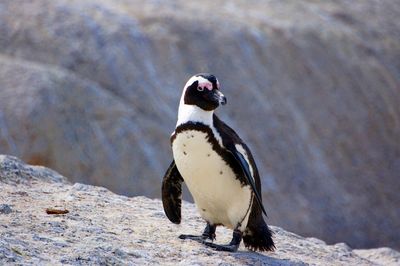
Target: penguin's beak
x=221 y=97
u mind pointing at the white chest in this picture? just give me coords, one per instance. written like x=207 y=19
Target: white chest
x=219 y=196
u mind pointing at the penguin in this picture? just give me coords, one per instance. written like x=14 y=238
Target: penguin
x=218 y=169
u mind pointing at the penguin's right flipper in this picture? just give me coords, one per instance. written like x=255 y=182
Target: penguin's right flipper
x=171 y=193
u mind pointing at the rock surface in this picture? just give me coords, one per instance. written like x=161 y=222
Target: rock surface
x=104 y=228
x=91 y=88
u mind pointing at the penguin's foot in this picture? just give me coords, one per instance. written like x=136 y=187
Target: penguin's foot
x=193 y=237
x=227 y=248
x=233 y=246
x=209 y=233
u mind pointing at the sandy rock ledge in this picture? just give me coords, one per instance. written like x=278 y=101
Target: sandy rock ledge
x=105 y=228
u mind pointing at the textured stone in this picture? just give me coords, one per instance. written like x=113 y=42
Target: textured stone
x=13 y=170
x=105 y=228
x=91 y=88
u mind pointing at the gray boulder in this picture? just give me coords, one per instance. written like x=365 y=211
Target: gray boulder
x=56 y=118
x=104 y=228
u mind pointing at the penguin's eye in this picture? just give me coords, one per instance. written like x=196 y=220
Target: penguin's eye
x=200 y=88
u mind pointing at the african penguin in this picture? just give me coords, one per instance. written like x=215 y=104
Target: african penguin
x=218 y=169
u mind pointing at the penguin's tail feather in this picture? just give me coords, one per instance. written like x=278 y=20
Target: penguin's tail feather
x=258 y=236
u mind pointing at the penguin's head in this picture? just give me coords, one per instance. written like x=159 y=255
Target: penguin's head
x=202 y=90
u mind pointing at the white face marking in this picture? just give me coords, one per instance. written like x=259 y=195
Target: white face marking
x=204 y=83
x=219 y=196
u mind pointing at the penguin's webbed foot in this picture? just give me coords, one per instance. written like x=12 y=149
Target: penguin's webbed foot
x=193 y=237
x=209 y=233
x=227 y=248
x=233 y=246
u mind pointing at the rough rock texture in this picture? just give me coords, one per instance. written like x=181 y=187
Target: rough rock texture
x=59 y=119
x=91 y=88
x=13 y=171
x=105 y=228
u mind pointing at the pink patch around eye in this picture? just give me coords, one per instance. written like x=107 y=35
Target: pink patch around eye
x=206 y=85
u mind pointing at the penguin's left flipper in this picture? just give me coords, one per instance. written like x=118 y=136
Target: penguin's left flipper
x=171 y=193
x=240 y=159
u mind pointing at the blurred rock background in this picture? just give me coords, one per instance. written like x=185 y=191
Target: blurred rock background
x=91 y=89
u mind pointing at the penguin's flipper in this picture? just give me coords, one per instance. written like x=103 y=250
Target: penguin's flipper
x=171 y=193
x=240 y=159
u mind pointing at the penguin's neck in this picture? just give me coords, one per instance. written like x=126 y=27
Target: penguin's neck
x=193 y=113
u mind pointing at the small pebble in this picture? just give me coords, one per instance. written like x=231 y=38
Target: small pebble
x=5 y=209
